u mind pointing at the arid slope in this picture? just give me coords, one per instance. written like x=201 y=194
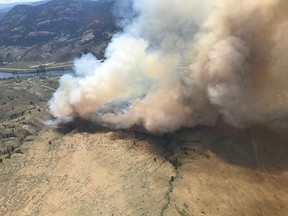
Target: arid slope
x=83 y=169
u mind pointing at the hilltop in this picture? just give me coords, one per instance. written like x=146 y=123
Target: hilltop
x=84 y=169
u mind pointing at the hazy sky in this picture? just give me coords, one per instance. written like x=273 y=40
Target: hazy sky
x=16 y=1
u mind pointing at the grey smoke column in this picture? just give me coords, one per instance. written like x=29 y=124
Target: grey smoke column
x=235 y=51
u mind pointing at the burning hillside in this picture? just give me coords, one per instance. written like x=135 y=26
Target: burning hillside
x=236 y=54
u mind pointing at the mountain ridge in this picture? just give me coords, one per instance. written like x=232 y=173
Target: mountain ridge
x=5 y=8
x=59 y=30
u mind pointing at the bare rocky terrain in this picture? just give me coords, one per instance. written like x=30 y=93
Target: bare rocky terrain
x=83 y=169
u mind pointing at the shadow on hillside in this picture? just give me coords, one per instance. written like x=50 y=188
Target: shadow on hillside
x=258 y=147
x=81 y=125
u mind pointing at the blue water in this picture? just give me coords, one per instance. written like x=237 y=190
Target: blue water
x=27 y=75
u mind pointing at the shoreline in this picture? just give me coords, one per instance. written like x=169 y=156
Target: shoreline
x=34 y=70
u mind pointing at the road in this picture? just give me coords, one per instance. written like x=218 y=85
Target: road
x=58 y=66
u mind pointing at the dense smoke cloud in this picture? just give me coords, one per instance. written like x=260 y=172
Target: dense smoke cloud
x=182 y=63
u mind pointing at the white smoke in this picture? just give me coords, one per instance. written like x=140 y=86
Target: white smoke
x=235 y=52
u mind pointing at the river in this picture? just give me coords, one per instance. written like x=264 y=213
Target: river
x=27 y=75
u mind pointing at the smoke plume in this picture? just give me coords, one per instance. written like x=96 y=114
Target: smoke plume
x=181 y=63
